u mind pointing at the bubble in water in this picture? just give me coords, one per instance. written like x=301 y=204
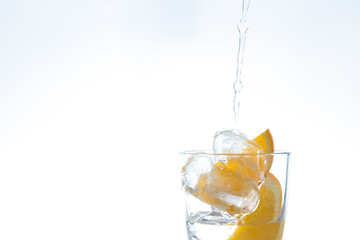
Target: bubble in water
x=243 y=26
x=238 y=86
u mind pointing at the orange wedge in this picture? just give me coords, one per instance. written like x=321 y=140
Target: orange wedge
x=269 y=207
x=272 y=231
x=266 y=141
x=262 y=223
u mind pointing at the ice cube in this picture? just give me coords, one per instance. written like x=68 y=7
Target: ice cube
x=233 y=141
x=230 y=191
x=251 y=163
x=196 y=172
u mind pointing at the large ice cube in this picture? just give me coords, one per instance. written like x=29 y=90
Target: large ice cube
x=230 y=191
x=196 y=172
x=251 y=163
x=233 y=141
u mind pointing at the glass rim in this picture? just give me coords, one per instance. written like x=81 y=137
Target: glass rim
x=211 y=153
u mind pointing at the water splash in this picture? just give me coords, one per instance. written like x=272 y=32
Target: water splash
x=238 y=86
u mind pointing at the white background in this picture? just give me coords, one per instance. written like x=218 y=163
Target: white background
x=98 y=97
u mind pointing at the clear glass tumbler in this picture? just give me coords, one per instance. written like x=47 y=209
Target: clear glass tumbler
x=226 y=198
